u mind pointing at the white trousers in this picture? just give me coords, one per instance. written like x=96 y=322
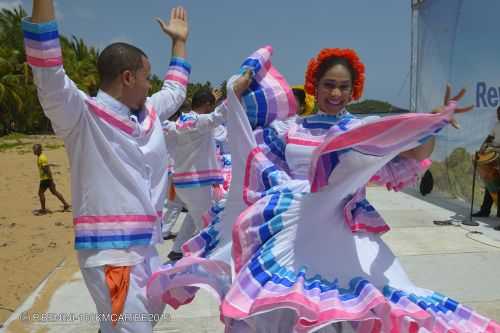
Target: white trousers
x=198 y=201
x=136 y=303
x=173 y=209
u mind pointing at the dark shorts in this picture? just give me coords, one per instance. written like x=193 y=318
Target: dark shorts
x=45 y=184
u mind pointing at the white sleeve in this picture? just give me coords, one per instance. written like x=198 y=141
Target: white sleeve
x=220 y=134
x=61 y=100
x=212 y=120
x=204 y=122
x=173 y=92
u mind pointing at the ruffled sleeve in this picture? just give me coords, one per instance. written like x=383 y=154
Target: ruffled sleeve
x=269 y=96
x=400 y=172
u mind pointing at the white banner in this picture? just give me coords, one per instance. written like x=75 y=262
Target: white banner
x=456 y=42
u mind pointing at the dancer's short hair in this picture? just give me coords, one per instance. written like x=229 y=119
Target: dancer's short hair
x=117 y=58
x=202 y=97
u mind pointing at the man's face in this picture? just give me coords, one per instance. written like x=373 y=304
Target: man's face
x=137 y=85
x=36 y=150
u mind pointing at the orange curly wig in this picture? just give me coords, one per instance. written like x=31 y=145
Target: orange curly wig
x=353 y=59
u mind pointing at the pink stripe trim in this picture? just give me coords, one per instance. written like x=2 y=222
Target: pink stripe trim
x=186 y=124
x=292 y=104
x=425 y=164
x=150 y=120
x=493 y=327
x=44 y=54
x=183 y=174
x=109 y=118
x=48 y=62
x=361 y=134
x=180 y=79
x=236 y=248
x=295 y=300
x=246 y=182
x=114 y=218
x=176 y=70
x=83 y=227
x=365 y=227
x=303 y=142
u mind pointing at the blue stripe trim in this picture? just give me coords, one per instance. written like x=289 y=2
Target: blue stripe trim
x=175 y=61
x=119 y=238
x=317 y=125
x=251 y=108
x=327 y=121
x=38 y=28
x=43 y=37
x=251 y=63
x=112 y=244
x=262 y=111
x=273 y=141
x=364 y=205
x=210 y=181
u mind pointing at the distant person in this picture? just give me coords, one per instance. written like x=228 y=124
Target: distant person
x=305 y=102
x=46 y=181
x=196 y=168
x=492 y=142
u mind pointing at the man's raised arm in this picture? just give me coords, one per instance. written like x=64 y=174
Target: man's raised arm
x=61 y=100
x=168 y=100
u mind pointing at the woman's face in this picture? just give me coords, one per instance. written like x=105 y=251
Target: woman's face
x=334 y=89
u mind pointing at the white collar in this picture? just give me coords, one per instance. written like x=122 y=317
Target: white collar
x=112 y=103
x=341 y=113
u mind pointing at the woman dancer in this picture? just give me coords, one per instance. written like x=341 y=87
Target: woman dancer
x=307 y=251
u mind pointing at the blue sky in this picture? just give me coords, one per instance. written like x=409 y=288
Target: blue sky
x=224 y=32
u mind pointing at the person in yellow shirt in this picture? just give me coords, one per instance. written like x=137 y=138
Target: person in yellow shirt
x=46 y=180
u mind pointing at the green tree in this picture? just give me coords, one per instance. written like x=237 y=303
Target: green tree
x=11 y=102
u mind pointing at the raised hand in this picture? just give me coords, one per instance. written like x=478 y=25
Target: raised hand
x=177 y=28
x=242 y=83
x=217 y=94
x=456 y=98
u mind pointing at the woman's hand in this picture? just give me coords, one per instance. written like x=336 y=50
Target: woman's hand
x=447 y=100
x=242 y=83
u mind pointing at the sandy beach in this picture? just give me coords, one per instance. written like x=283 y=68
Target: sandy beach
x=30 y=246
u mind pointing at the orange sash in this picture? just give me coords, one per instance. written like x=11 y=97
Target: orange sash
x=118 y=280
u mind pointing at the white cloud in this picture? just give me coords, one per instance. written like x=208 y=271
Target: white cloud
x=10 y=4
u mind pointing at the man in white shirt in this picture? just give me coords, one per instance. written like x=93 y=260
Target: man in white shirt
x=196 y=167
x=491 y=141
x=117 y=155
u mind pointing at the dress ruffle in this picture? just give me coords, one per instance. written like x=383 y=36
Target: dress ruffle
x=269 y=96
x=276 y=269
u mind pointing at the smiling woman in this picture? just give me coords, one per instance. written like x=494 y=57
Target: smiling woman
x=304 y=252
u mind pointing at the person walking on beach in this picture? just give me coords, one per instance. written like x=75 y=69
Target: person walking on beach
x=46 y=181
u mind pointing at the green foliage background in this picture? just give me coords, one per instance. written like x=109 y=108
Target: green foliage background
x=20 y=110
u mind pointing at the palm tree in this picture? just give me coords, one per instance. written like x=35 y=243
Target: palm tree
x=11 y=34
x=80 y=62
x=11 y=81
